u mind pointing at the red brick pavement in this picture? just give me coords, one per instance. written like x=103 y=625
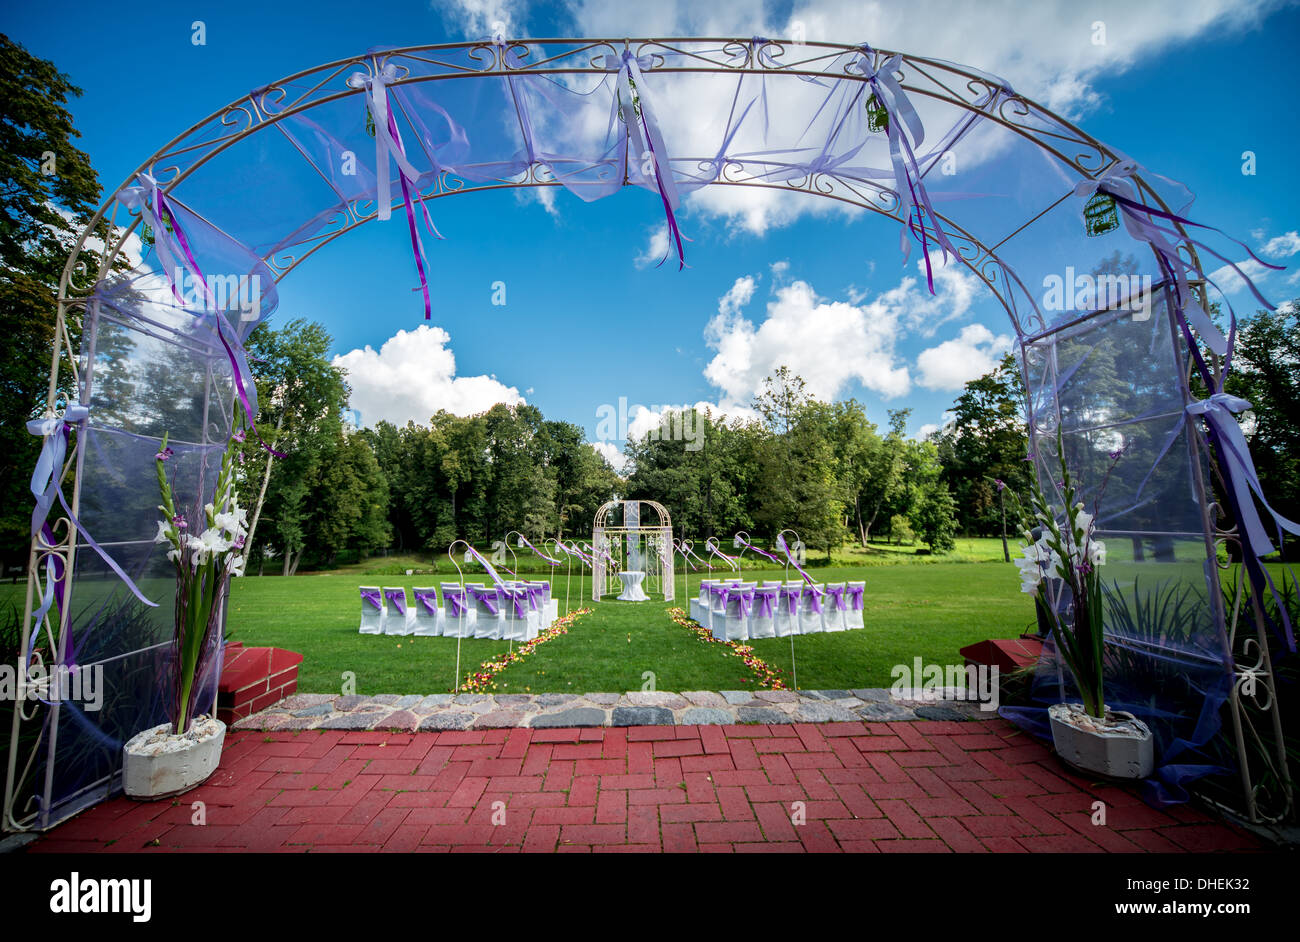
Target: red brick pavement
x=860 y=787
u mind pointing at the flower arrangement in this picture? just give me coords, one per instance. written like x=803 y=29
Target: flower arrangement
x=1068 y=550
x=204 y=563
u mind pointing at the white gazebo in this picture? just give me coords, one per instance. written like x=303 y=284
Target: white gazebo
x=632 y=551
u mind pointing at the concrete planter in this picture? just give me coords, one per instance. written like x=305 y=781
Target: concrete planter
x=1118 y=747
x=159 y=764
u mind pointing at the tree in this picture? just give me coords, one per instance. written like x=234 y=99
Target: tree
x=48 y=191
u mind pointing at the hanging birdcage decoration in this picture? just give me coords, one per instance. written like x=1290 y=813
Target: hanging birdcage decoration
x=1100 y=214
x=636 y=102
x=370 y=120
x=877 y=115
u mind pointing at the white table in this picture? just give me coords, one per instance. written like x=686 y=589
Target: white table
x=632 y=591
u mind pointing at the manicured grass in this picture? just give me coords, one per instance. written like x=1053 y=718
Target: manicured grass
x=911 y=611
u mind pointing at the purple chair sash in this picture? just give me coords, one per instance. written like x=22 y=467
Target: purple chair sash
x=766 y=601
x=522 y=598
x=455 y=600
x=428 y=600
x=814 y=592
x=855 y=596
x=536 y=596
x=836 y=592
x=398 y=599
x=790 y=595
x=744 y=596
x=485 y=597
x=373 y=597
x=718 y=592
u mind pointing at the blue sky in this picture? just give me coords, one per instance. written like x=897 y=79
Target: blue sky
x=1183 y=87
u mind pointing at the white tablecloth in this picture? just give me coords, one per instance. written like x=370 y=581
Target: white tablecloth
x=632 y=591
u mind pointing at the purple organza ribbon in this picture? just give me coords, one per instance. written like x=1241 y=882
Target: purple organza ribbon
x=523 y=541
x=388 y=143
x=680 y=548
x=766 y=602
x=485 y=597
x=45 y=486
x=536 y=596
x=790 y=595
x=743 y=544
x=742 y=595
x=836 y=592
x=472 y=554
x=152 y=203
x=855 y=593
x=718 y=591
x=373 y=597
x=427 y=600
x=789 y=556
x=523 y=601
x=455 y=601
x=914 y=200
x=652 y=143
x=815 y=593
x=712 y=546
x=398 y=598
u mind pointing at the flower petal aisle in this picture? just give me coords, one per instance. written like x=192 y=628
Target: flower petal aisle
x=768 y=676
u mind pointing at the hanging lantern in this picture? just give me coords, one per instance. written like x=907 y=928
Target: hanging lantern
x=877 y=115
x=636 y=102
x=1100 y=214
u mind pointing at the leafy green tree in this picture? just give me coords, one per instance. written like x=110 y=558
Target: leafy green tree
x=48 y=192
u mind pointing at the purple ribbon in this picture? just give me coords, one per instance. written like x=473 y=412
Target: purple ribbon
x=742 y=595
x=398 y=598
x=836 y=592
x=427 y=599
x=454 y=599
x=815 y=593
x=485 y=597
x=742 y=544
x=523 y=541
x=373 y=597
x=472 y=554
x=855 y=593
x=766 y=600
x=789 y=556
x=712 y=545
x=790 y=595
x=652 y=143
x=523 y=601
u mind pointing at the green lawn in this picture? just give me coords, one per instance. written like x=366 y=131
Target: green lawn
x=911 y=611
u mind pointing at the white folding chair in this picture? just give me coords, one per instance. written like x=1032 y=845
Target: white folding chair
x=458 y=615
x=810 y=609
x=735 y=619
x=428 y=616
x=834 y=606
x=372 y=610
x=856 y=591
x=398 y=619
x=700 y=604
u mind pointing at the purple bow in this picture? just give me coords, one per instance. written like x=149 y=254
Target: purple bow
x=766 y=599
x=522 y=599
x=454 y=599
x=855 y=593
x=398 y=598
x=373 y=597
x=836 y=592
x=791 y=596
x=815 y=593
x=429 y=600
x=742 y=595
x=487 y=598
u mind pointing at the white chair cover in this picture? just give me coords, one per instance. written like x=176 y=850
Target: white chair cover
x=810 y=609
x=372 y=610
x=487 y=611
x=734 y=624
x=398 y=620
x=428 y=616
x=856 y=593
x=458 y=615
x=762 y=617
x=517 y=613
x=834 y=607
x=786 y=622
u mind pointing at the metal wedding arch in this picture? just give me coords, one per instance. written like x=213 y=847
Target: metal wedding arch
x=634 y=535
x=246 y=196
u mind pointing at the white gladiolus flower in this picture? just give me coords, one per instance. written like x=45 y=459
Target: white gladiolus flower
x=236 y=565
x=165 y=534
x=1097 y=553
x=213 y=542
x=234 y=521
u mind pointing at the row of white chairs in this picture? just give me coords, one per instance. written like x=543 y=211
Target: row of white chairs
x=734 y=610
x=514 y=611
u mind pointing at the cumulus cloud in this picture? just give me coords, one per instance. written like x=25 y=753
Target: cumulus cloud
x=413 y=375
x=609 y=451
x=1282 y=246
x=953 y=363
x=480 y=18
x=828 y=343
x=656 y=249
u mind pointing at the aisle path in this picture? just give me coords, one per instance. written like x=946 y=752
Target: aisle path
x=908 y=786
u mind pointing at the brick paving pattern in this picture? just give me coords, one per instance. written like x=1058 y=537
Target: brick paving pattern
x=927 y=786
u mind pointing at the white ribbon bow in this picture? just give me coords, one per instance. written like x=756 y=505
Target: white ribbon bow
x=387 y=143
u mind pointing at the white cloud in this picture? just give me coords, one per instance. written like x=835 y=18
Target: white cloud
x=609 y=451
x=953 y=363
x=480 y=18
x=1229 y=282
x=829 y=343
x=926 y=430
x=1282 y=246
x=413 y=375
x=656 y=247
